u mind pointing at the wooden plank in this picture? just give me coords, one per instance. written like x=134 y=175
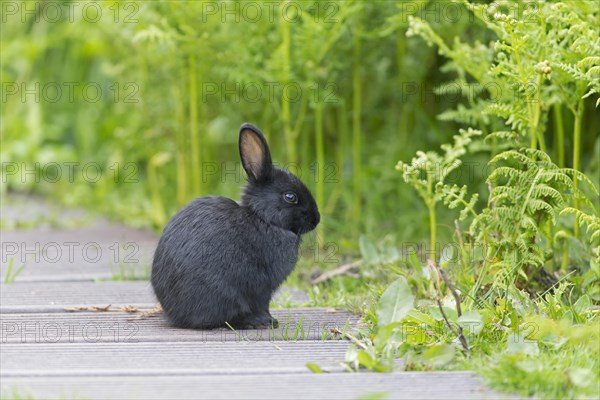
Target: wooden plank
x=26 y=210
x=118 y=327
x=168 y=358
x=55 y=296
x=47 y=352
x=67 y=244
x=85 y=254
x=50 y=297
x=98 y=232
x=402 y=385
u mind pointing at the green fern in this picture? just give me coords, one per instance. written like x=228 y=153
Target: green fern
x=455 y=197
x=528 y=194
x=592 y=224
x=428 y=171
x=518 y=77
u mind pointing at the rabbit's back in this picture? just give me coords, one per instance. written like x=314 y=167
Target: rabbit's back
x=216 y=260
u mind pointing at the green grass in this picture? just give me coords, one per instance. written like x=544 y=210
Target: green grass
x=130 y=272
x=561 y=361
x=16 y=394
x=553 y=374
x=404 y=81
x=10 y=275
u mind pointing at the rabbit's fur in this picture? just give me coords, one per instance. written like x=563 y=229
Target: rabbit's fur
x=218 y=262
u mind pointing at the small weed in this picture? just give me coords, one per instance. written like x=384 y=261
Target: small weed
x=11 y=275
x=130 y=272
x=16 y=394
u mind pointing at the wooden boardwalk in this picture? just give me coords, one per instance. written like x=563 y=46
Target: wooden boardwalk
x=49 y=350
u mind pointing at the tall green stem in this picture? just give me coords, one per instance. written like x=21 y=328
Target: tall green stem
x=195 y=168
x=560 y=134
x=533 y=115
x=181 y=147
x=402 y=115
x=305 y=150
x=320 y=167
x=576 y=154
x=431 y=202
x=340 y=157
x=433 y=230
x=532 y=134
x=537 y=113
x=285 y=102
x=356 y=124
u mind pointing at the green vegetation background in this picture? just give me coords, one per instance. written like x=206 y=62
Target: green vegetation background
x=338 y=88
x=142 y=102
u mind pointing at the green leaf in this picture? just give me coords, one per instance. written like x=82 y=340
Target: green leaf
x=315 y=368
x=583 y=304
x=529 y=365
x=581 y=377
x=395 y=303
x=416 y=335
x=351 y=354
x=418 y=317
x=517 y=344
x=384 y=335
x=439 y=355
x=390 y=254
x=471 y=322
x=366 y=360
x=435 y=312
x=368 y=251
x=413 y=260
x=447 y=256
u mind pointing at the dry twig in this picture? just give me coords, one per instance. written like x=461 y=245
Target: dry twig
x=335 y=330
x=125 y=309
x=458 y=332
x=341 y=270
x=148 y=313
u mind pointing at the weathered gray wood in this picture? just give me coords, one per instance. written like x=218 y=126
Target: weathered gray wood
x=47 y=352
x=404 y=385
x=63 y=244
x=86 y=254
x=94 y=327
x=55 y=296
x=25 y=210
x=168 y=358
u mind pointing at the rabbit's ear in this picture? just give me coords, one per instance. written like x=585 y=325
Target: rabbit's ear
x=254 y=153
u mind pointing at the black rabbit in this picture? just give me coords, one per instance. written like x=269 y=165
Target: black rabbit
x=218 y=262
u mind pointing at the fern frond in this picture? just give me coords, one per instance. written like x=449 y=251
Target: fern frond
x=572 y=70
x=583 y=219
x=549 y=192
x=582 y=178
x=515 y=155
x=536 y=206
x=455 y=196
x=502 y=135
x=588 y=61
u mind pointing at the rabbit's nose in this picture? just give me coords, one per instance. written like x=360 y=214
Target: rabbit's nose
x=317 y=219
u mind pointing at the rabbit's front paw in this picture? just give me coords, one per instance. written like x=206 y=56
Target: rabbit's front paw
x=260 y=321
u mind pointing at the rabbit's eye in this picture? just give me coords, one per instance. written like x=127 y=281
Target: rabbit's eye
x=290 y=197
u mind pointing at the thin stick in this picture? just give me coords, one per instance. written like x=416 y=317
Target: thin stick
x=452 y=290
x=126 y=309
x=147 y=313
x=343 y=269
x=459 y=233
x=491 y=189
x=459 y=333
x=352 y=338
